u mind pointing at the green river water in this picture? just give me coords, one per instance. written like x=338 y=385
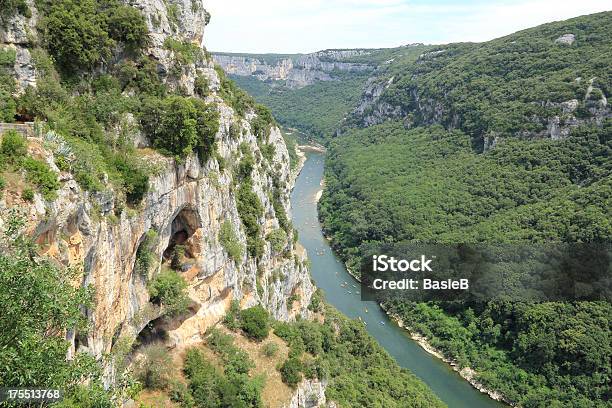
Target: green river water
x=329 y=273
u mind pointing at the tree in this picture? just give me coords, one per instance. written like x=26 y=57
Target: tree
x=169 y=289
x=255 y=321
x=39 y=304
x=291 y=371
x=126 y=24
x=75 y=34
x=180 y=125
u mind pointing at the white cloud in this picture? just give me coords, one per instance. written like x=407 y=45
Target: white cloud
x=310 y=25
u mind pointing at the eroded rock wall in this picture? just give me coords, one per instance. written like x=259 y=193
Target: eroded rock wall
x=93 y=232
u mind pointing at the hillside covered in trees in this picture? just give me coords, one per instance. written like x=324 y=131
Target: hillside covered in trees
x=507 y=141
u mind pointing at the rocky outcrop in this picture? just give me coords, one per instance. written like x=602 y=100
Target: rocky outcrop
x=567 y=39
x=310 y=394
x=96 y=233
x=182 y=21
x=17 y=33
x=297 y=71
x=83 y=230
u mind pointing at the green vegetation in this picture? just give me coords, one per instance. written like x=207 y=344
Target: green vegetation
x=238 y=99
x=509 y=86
x=9 y=8
x=250 y=210
x=13 y=147
x=255 y=322
x=80 y=35
x=169 y=290
x=145 y=254
x=278 y=239
x=7 y=83
x=39 y=174
x=426 y=179
x=234 y=388
x=180 y=125
x=270 y=349
x=291 y=371
x=292 y=150
x=32 y=330
x=154 y=369
x=176 y=259
x=327 y=102
x=358 y=370
x=13 y=157
x=229 y=241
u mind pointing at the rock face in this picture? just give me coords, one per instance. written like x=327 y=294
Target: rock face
x=310 y=394
x=17 y=33
x=79 y=229
x=374 y=107
x=297 y=71
x=566 y=39
x=192 y=200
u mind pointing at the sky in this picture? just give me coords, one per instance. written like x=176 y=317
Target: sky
x=302 y=26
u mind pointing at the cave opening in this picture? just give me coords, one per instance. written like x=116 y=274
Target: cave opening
x=181 y=249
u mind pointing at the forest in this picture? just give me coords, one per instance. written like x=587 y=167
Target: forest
x=430 y=175
x=317 y=109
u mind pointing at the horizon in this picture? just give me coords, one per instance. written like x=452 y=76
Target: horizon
x=374 y=24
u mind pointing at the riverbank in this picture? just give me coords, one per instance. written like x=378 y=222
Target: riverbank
x=467 y=373
x=331 y=276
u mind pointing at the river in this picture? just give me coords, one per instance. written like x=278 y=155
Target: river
x=329 y=273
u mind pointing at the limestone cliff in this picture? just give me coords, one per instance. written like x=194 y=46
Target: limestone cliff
x=189 y=200
x=297 y=71
x=538 y=83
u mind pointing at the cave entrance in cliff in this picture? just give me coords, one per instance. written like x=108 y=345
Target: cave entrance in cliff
x=182 y=249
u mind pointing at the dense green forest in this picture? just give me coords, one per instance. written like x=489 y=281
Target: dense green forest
x=317 y=109
x=423 y=177
x=508 y=86
x=323 y=107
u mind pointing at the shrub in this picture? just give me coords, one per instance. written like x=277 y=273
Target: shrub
x=230 y=242
x=246 y=166
x=267 y=151
x=177 y=256
x=291 y=371
x=250 y=210
x=201 y=86
x=239 y=100
x=281 y=214
x=8 y=8
x=135 y=179
x=127 y=24
x=184 y=53
x=154 y=371
x=13 y=147
x=278 y=239
x=169 y=289
x=39 y=174
x=62 y=163
x=8 y=106
x=180 y=394
x=255 y=322
x=270 y=349
x=145 y=257
x=27 y=194
x=232 y=318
